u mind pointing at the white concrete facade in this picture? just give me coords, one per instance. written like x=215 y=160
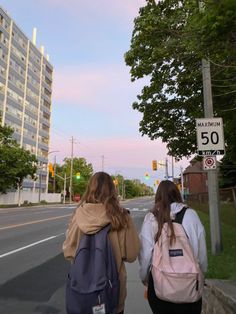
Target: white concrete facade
x=14 y=198
x=25 y=94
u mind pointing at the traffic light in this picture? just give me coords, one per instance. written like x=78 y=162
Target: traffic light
x=179 y=186
x=154 y=165
x=147 y=176
x=77 y=175
x=157 y=182
x=115 y=182
x=50 y=166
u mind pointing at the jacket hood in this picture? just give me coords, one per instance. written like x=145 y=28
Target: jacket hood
x=175 y=208
x=91 y=217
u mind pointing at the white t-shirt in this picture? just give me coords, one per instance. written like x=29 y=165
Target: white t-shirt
x=192 y=226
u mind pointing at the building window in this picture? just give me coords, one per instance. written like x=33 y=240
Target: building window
x=29 y=134
x=1 y=19
x=14 y=112
x=2 y=88
x=14 y=96
x=14 y=126
x=30 y=120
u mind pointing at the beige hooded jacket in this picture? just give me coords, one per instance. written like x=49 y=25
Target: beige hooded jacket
x=90 y=218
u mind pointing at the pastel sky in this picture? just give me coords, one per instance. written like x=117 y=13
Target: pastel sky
x=92 y=91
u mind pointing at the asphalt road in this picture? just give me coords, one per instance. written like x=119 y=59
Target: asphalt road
x=32 y=268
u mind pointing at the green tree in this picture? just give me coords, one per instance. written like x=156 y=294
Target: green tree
x=79 y=165
x=134 y=188
x=168 y=42
x=227 y=173
x=15 y=163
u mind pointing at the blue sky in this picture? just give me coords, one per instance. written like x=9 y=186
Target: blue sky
x=92 y=91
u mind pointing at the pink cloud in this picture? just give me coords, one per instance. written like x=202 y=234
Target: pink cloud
x=118 y=152
x=122 y=9
x=74 y=85
x=103 y=87
x=129 y=156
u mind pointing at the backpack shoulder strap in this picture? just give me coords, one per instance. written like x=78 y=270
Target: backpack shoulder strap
x=180 y=215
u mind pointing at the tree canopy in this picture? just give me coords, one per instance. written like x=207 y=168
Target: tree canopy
x=81 y=166
x=15 y=162
x=227 y=173
x=168 y=42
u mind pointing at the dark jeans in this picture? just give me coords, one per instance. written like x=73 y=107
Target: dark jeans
x=163 y=307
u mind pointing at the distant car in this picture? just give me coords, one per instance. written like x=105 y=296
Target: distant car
x=76 y=198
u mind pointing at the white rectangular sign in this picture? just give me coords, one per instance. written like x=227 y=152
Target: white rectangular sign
x=210 y=136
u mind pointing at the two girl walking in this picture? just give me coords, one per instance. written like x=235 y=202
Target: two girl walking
x=100 y=206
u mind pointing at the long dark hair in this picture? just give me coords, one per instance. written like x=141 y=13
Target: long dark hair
x=101 y=189
x=166 y=194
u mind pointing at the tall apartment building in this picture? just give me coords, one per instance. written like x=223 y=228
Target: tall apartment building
x=25 y=94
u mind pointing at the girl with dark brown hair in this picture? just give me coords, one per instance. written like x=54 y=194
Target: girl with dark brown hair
x=168 y=203
x=98 y=207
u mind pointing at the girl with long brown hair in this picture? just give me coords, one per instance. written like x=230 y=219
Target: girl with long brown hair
x=98 y=207
x=168 y=203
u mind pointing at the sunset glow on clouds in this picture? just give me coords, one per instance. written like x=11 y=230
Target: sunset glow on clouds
x=100 y=88
x=122 y=9
x=92 y=91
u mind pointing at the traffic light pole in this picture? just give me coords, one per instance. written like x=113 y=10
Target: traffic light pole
x=54 y=179
x=64 y=188
x=71 y=168
x=40 y=185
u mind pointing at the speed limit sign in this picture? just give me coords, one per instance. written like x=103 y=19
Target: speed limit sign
x=210 y=137
x=209 y=163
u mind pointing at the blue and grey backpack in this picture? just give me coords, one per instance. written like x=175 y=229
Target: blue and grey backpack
x=93 y=281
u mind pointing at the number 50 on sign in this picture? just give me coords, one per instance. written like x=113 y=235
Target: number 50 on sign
x=210 y=137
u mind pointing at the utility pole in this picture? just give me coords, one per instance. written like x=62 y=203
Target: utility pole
x=182 y=182
x=172 y=166
x=71 y=167
x=123 y=189
x=212 y=175
x=102 y=162
x=213 y=190
x=166 y=165
x=64 y=190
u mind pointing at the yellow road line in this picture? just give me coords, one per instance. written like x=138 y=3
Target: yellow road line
x=34 y=222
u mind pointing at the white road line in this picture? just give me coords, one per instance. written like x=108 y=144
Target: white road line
x=30 y=245
x=135 y=209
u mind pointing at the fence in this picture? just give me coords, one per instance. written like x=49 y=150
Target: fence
x=13 y=198
x=225 y=195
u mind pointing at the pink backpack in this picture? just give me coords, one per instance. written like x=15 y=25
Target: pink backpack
x=176 y=273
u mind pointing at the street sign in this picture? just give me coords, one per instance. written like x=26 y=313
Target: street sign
x=210 y=136
x=209 y=163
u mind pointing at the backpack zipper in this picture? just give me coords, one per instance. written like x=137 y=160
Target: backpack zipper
x=197 y=283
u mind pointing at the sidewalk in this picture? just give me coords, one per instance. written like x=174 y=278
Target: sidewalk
x=135 y=302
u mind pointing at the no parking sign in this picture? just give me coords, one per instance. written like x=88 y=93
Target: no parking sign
x=209 y=163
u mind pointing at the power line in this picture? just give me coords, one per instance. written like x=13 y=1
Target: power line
x=228 y=109
x=231 y=92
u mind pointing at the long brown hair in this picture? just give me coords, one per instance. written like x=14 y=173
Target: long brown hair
x=101 y=189
x=166 y=194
